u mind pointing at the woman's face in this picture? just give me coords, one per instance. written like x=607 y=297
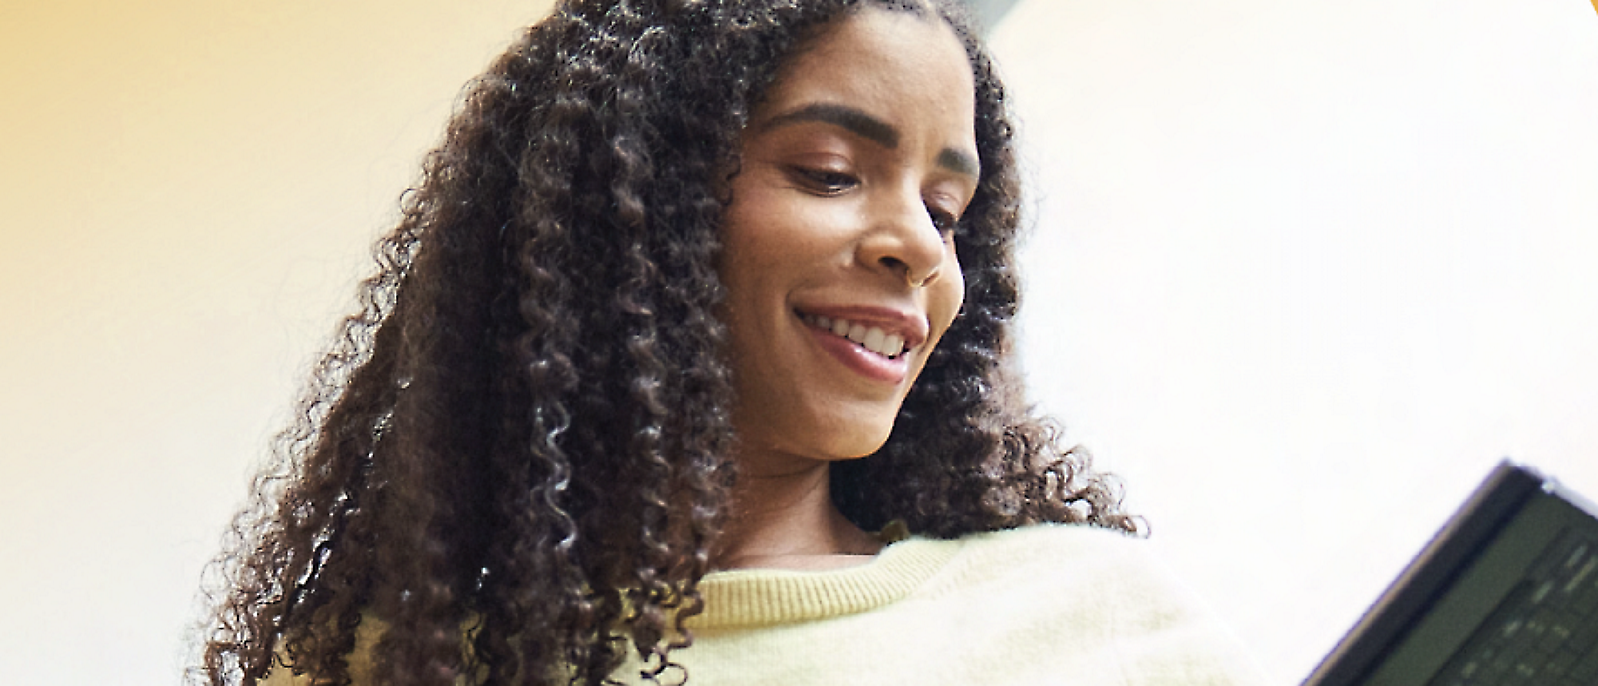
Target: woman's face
x=838 y=258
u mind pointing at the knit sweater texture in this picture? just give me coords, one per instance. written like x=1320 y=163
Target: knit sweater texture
x=1049 y=604
x=1070 y=605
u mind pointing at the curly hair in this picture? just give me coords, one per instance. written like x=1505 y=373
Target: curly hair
x=516 y=453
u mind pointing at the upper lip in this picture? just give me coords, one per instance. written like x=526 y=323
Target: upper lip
x=907 y=324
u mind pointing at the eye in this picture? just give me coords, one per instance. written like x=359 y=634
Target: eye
x=824 y=181
x=947 y=224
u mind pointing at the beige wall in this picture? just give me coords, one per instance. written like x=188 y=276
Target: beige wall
x=1302 y=272
x=190 y=189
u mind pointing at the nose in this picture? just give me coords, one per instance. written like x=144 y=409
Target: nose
x=903 y=240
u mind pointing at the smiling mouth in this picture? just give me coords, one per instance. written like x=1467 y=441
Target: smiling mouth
x=871 y=338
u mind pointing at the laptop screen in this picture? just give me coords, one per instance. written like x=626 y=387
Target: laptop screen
x=1506 y=593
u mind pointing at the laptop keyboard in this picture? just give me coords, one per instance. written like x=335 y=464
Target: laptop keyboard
x=1545 y=632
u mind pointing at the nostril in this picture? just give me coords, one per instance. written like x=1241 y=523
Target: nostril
x=901 y=268
x=908 y=273
x=903 y=249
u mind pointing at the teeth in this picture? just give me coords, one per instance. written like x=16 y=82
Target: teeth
x=874 y=339
x=869 y=337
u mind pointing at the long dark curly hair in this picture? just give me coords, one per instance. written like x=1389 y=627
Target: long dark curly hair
x=516 y=454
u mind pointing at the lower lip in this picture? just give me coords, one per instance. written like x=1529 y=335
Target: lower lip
x=862 y=361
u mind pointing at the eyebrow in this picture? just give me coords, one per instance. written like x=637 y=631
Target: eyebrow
x=870 y=128
x=954 y=160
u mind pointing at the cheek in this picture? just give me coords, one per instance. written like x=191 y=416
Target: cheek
x=944 y=304
x=757 y=229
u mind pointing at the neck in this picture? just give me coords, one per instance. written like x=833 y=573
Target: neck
x=784 y=518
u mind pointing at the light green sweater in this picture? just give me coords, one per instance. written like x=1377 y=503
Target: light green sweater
x=1052 y=604
x=1069 y=605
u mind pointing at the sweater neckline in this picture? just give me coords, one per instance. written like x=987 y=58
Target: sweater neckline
x=748 y=598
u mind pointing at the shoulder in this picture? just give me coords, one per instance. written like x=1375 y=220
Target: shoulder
x=359 y=660
x=1090 y=594
x=1071 y=554
x=1054 y=539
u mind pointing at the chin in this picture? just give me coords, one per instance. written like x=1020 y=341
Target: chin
x=831 y=430
x=857 y=443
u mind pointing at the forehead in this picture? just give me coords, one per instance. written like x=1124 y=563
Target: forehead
x=895 y=65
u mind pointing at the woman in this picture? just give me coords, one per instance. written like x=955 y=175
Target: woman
x=698 y=308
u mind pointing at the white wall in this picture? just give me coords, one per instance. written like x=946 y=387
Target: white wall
x=1302 y=272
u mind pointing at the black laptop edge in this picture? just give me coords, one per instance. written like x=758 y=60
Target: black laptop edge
x=1429 y=575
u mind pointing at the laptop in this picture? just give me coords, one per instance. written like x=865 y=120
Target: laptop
x=1506 y=593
